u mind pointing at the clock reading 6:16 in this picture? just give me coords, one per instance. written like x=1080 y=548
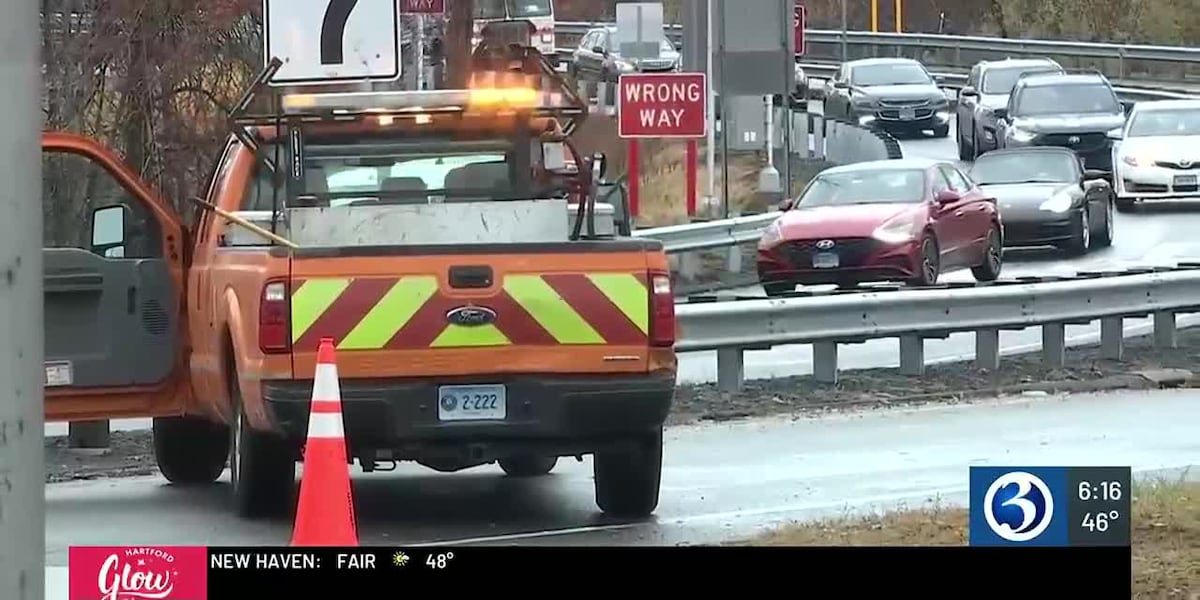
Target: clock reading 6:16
x=1105 y=490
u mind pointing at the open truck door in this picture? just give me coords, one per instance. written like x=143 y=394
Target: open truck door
x=114 y=278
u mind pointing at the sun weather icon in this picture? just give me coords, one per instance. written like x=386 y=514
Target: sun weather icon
x=1018 y=506
x=399 y=559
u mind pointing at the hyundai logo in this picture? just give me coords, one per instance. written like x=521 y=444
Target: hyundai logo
x=471 y=316
x=825 y=244
x=1073 y=139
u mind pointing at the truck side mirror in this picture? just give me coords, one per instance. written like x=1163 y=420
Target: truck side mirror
x=108 y=231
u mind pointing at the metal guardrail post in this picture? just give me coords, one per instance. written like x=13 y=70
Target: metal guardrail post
x=987 y=349
x=1112 y=338
x=1054 y=345
x=1165 y=334
x=731 y=369
x=912 y=355
x=825 y=362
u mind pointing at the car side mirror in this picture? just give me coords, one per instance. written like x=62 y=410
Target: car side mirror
x=1000 y=113
x=968 y=92
x=1115 y=134
x=947 y=197
x=1089 y=174
x=840 y=85
x=787 y=204
x=108 y=231
x=938 y=79
x=598 y=50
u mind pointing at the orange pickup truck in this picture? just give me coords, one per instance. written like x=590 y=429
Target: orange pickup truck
x=484 y=306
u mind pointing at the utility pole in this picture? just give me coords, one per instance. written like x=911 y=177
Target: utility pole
x=420 y=51
x=22 y=468
x=456 y=44
x=710 y=151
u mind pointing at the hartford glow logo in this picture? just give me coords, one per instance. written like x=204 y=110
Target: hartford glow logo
x=138 y=573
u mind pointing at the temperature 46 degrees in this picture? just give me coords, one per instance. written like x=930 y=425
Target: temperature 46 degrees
x=439 y=560
x=1099 y=521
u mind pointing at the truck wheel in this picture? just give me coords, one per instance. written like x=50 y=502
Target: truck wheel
x=627 y=480
x=262 y=468
x=190 y=450
x=528 y=465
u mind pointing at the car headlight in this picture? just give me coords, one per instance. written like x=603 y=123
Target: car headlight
x=772 y=235
x=1137 y=161
x=863 y=103
x=626 y=67
x=1058 y=203
x=1021 y=135
x=896 y=231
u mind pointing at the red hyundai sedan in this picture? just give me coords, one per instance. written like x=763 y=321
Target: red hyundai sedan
x=890 y=220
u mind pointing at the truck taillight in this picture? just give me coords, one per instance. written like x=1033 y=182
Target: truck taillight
x=274 y=319
x=662 y=310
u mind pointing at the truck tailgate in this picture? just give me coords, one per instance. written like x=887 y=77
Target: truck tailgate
x=472 y=310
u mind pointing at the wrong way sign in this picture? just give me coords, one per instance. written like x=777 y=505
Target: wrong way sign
x=662 y=105
x=332 y=41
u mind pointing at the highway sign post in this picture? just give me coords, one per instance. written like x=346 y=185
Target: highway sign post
x=639 y=30
x=799 y=23
x=420 y=8
x=662 y=105
x=332 y=41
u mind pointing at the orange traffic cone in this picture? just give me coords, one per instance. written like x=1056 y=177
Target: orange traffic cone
x=325 y=512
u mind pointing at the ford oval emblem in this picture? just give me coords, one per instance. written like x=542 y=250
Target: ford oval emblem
x=471 y=316
x=825 y=244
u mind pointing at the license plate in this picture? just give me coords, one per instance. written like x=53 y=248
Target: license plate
x=1185 y=180
x=825 y=260
x=908 y=114
x=59 y=374
x=472 y=403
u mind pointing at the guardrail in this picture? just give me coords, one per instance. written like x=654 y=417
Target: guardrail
x=1124 y=62
x=827 y=320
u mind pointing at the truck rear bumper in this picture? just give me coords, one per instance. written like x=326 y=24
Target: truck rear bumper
x=563 y=415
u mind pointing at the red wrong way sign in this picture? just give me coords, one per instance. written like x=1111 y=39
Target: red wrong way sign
x=662 y=105
x=422 y=7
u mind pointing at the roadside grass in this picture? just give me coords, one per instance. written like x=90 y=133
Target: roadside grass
x=1165 y=528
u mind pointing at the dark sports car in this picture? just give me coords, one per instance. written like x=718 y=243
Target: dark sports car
x=1047 y=198
x=889 y=220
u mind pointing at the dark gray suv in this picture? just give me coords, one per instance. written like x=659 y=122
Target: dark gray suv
x=987 y=89
x=1072 y=110
x=895 y=94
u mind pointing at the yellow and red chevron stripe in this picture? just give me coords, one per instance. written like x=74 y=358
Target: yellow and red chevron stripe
x=409 y=312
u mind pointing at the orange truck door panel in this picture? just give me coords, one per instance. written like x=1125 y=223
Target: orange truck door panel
x=114 y=341
x=429 y=314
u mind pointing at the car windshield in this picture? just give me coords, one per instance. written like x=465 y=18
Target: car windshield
x=1175 y=121
x=1025 y=167
x=1000 y=80
x=865 y=187
x=511 y=9
x=889 y=74
x=1070 y=99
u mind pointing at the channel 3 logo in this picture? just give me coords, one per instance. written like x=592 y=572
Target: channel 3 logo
x=1018 y=506
x=1015 y=506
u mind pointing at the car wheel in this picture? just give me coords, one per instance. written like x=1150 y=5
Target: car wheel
x=964 y=151
x=627 y=480
x=190 y=450
x=528 y=465
x=993 y=258
x=262 y=467
x=941 y=132
x=1082 y=241
x=1103 y=237
x=930 y=266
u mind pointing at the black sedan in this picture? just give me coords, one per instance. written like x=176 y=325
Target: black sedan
x=1047 y=198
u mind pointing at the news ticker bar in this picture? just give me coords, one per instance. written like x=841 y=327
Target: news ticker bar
x=198 y=573
x=1102 y=569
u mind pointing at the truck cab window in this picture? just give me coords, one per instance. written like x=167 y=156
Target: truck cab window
x=73 y=187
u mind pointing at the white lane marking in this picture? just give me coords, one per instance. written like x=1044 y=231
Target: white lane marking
x=938 y=493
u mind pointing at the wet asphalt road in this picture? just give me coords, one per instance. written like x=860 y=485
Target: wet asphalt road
x=720 y=482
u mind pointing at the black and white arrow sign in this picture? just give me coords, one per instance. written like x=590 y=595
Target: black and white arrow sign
x=332 y=41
